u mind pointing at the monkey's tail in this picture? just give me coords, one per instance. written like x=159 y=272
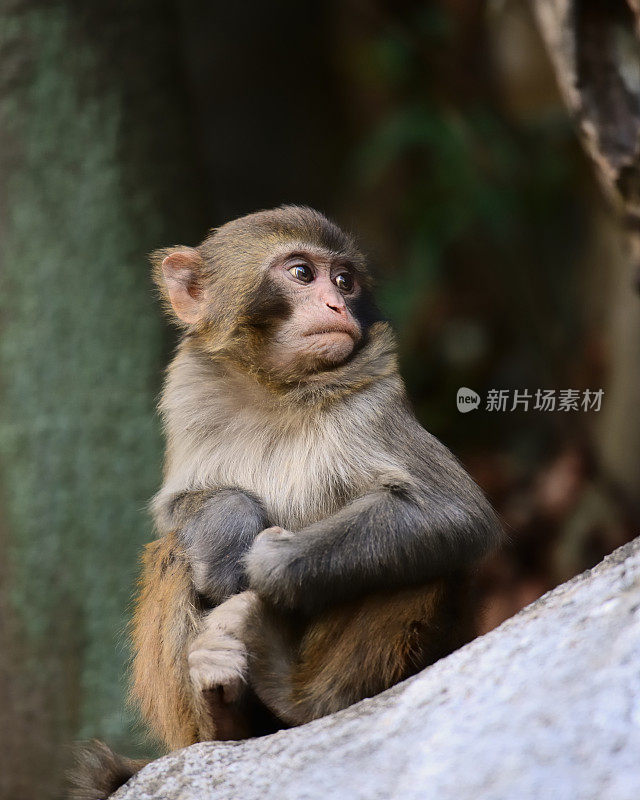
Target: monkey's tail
x=98 y=771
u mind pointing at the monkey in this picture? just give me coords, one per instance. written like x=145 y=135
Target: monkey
x=315 y=542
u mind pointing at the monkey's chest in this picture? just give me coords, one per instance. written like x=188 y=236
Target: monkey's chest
x=300 y=479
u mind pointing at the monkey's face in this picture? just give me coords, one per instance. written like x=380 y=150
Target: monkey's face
x=283 y=293
x=319 y=328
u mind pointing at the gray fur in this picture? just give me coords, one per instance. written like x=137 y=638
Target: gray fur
x=217 y=528
x=375 y=501
x=367 y=498
x=421 y=521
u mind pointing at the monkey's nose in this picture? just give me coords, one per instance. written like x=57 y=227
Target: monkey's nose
x=339 y=309
x=334 y=301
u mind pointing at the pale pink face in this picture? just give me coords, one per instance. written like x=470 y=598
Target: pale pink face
x=320 y=330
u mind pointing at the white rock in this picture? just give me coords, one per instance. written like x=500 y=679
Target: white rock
x=546 y=707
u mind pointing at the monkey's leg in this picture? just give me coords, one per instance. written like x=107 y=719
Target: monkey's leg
x=165 y=620
x=218 y=665
x=167 y=625
x=353 y=651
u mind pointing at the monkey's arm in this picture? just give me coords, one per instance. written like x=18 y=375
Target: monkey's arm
x=216 y=528
x=401 y=533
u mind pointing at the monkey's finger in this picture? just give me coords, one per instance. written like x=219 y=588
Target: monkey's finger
x=208 y=669
x=221 y=656
x=217 y=638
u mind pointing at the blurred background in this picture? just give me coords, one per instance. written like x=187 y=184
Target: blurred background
x=434 y=130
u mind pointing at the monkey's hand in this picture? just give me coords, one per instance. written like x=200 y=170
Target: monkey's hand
x=268 y=562
x=218 y=656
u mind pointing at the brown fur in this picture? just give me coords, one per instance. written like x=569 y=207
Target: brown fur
x=99 y=772
x=305 y=670
x=228 y=270
x=164 y=622
x=300 y=669
x=364 y=647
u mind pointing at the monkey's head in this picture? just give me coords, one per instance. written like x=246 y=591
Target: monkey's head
x=284 y=293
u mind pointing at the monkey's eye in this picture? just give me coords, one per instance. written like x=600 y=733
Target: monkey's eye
x=344 y=281
x=301 y=272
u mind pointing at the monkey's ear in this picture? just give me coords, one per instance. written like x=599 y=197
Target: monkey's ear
x=178 y=274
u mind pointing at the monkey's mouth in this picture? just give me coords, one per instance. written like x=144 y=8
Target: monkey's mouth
x=350 y=330
x=331 y=346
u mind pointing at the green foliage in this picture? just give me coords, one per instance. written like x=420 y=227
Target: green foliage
x=465 y=170
x=486 y=223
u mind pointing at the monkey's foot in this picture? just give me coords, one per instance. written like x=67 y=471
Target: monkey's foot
x=218 y=656
x=218 y=664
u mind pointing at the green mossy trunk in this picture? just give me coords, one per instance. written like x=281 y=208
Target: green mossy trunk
x=95 y=170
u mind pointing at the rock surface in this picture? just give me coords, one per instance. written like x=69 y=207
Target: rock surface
x=546 y=707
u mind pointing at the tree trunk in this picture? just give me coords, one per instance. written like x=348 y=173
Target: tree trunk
x=95 y=170
x=594 y=46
